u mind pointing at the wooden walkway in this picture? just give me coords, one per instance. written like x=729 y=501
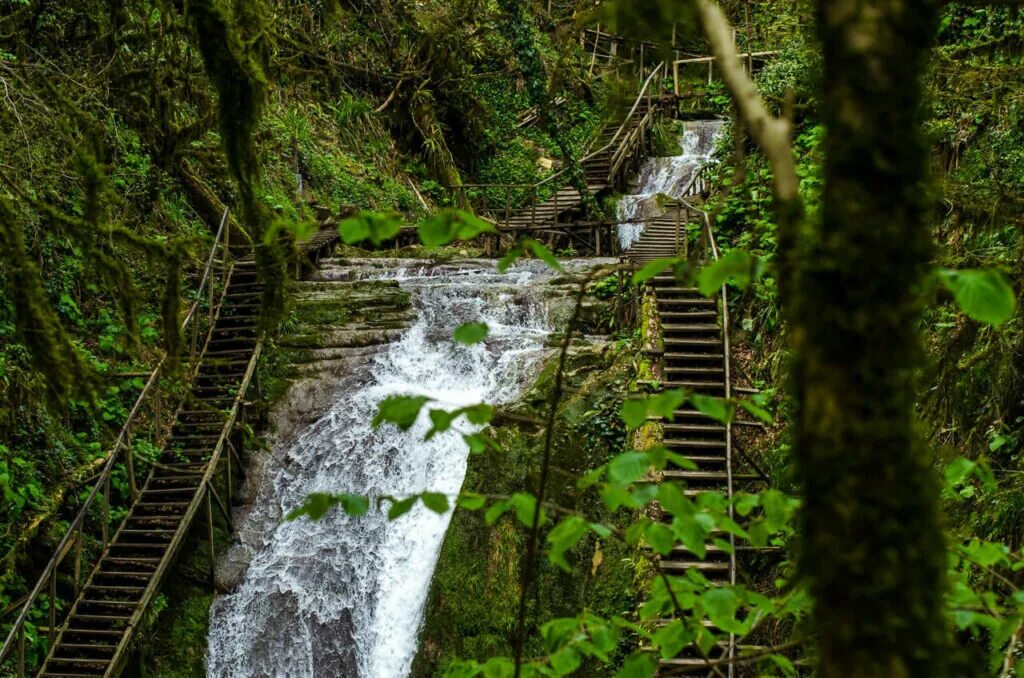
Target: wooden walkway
x=95 y=637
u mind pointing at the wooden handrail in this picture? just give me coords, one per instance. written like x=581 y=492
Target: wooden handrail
x=102 y=484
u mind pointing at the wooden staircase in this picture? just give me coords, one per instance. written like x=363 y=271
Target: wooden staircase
x=598 y=171
x=694 y=358
x=95 y=636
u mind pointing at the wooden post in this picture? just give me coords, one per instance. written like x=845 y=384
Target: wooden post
x=209 y=528
x=508 y=205
x=157 y=412
x=227 y=244
x=52 y=634
x=679 y=219
x=230 y=478
x=21 y=651
x=129 y=463
x=195 y=330
x=210 y=300
x=711 y=70
x=533 y=206
x=78 y=561
x=106 y=511
x=641 y=62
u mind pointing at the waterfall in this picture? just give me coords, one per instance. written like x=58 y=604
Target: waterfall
x=665 y=176
x=345 y=596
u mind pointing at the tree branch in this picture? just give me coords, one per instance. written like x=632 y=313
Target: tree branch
x=772 y=134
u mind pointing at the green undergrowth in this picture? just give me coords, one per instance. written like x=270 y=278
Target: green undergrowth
x=473 y=604
x=970 y=388
x=120 y=131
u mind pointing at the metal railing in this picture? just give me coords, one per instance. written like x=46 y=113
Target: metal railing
x=122 y=456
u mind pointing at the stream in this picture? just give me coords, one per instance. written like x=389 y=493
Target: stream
x=345 y=596
x=668 y=176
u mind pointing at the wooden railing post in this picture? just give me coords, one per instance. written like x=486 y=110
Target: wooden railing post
x=52 y=631
x=157 y=408
x=129 y=463
x=227 y=245
x=21 y=650
x=78 y=561
x=679 y=220
x=213 y=549
x=106 y=511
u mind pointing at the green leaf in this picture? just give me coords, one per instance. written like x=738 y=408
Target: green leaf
x=721 y=604
x=693 y=533
x=983 y=294
x=441 y=421
x=497 y=510
x=627 y=468
x=672 y=638
x=719 y=409
x=634 y=412
x=470 y=333
x=477 y=442
x=739 y=267
x=653 y=268
x=378 y=227
x=471 y=501
x=401 y=507
x=563 y=537
x=543 y=253
x=638 y=665
x=401 y=411
x=602 y=531
x=591 y=478
x=449 y=225
x=665 y=404
x=526 y=505
x=756 y=411
x=660 y=537
x=566 y=660
x=318 y=504
x=674 y=501
x=435 y=501
x=509 y=259
x=479 y=414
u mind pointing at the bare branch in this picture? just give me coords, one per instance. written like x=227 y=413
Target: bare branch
x=772 y=134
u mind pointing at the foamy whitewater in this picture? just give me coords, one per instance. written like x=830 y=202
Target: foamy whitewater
x=665 y=176
x=345 y=596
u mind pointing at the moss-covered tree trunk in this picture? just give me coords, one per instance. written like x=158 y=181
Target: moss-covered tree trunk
x=873 y=545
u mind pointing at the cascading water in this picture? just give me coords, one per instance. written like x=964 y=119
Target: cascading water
x=345 y=596
x=665 y=176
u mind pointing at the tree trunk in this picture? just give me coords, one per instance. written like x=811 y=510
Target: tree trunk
x=872 y=547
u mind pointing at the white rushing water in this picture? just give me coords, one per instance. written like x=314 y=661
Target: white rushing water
x=665 y=176
x=345 y=596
